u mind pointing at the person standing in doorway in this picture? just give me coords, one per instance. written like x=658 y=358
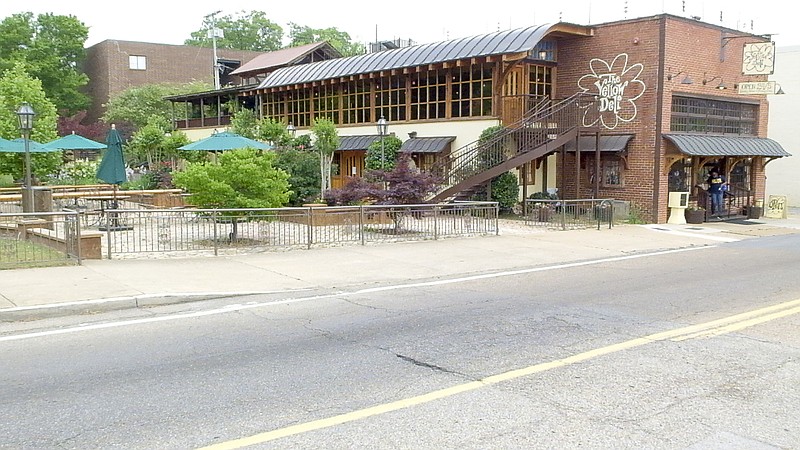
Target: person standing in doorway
x=716 y=190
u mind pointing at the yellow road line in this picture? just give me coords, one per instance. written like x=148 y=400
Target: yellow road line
x=706 y=329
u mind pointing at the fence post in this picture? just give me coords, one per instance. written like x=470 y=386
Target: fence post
x=310 y=213
x=435 y=222
x=497 y=219
x=361 y=225
x=564 y=215
x=77 y=224
x=105 y=219
x=214 y=220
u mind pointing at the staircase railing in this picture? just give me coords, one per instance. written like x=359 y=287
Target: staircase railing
x=543 y=130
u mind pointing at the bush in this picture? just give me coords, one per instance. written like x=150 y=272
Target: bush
x=505 y=191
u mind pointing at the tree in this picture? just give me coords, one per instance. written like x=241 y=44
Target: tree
x=391 y=148
x=156 y=142
x=17 y=86
x=137 y=104
x=303 y=169
x=326 y=141
x=52 y=47
x=243 y=178
x=244 y=31
x=340 y=40
x=73 y=124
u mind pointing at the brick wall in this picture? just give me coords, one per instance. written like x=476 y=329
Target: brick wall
x=107 y=65
x=691 y=47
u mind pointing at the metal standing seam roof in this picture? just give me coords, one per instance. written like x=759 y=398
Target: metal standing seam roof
x=357 y=142
x=608 y=143
x=435 y=144
x=705 y=145
x=500 y=42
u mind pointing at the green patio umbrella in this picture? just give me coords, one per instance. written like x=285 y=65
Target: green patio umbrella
x=18 y=146
x=74 y=142
x=225 y=141
x=112 y=171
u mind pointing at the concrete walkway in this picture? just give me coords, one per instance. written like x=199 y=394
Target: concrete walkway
x=100 y=285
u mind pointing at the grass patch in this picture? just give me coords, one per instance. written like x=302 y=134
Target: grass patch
x=16 y=254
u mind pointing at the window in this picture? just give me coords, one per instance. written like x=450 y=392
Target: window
x=137 y=62
x=390 y=98
x=326 y=103
x=472 y=91
x=540 y=81
x=698 y=115
x=355 y=102
x=612 y=172
x=428 y=95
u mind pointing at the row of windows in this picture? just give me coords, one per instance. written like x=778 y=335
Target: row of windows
x=698 y=115
x=434 y=94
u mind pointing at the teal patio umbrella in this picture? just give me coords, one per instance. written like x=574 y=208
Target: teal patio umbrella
x=18 y=146
x=112 y=171
x=74 y=142
x=218 y=142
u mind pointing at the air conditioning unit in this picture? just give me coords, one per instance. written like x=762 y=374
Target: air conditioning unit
x=678 y=200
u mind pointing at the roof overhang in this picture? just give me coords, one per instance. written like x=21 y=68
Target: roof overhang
x=357 y=142
x=705 y=145
x=608 y=143
x=436 y=144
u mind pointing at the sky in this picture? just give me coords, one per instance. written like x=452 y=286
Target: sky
x=168 y=22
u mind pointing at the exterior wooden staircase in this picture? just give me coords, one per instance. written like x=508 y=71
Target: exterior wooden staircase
x=542 y=130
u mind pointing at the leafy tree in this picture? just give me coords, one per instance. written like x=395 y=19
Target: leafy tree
x=52 y=48
x=326 y=141
x=137 y=104
x=243 y=178
x=17 y=86
x=303 y=169
x=155 y=142
x=243 y=31
x=245 y=122
x=391 y=148
x=340 y=40
x=73 y=124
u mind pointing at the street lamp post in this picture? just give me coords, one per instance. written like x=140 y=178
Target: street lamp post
x=25 y=114
x=383 y=127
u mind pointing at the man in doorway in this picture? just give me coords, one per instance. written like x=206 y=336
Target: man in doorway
x=716 y=190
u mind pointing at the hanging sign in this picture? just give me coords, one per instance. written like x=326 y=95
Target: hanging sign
x=758 y=58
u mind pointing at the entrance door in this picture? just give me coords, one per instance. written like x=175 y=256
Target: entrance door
x=350 y=164
x=514 y=95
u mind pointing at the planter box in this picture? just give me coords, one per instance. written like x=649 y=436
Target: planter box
x=695 y=216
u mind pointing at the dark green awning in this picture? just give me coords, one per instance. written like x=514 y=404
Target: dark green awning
x=608 y=143
x=436 y=144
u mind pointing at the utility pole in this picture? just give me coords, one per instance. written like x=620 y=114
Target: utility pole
x=213 y=33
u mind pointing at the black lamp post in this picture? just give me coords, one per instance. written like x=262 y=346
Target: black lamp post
x=25 y=114
x=383 y=127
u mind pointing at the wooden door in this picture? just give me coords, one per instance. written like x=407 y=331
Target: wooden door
x=350 y=164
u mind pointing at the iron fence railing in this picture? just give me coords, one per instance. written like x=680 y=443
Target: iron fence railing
x=233 y=230
x=37 y=239
x=569 y=214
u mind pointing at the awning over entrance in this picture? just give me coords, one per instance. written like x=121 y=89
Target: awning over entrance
x=704 y=145
x=356 y=142
x=608 y=143
x=436 y=144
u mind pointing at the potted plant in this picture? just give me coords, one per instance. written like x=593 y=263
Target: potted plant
x=695 y=214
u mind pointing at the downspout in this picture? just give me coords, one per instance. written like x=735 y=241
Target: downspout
x=662 y=33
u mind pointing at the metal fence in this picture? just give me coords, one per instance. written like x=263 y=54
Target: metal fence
x=569 y=214
x=39 y=239
x=235 y=230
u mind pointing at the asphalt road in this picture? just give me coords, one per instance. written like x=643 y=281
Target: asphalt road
x=690 y=349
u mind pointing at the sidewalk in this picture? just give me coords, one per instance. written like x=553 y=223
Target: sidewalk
x=100 y=285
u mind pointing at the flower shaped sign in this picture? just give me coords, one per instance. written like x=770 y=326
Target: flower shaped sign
x=616 y=87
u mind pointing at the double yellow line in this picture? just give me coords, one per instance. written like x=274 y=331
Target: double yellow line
x=708 y=329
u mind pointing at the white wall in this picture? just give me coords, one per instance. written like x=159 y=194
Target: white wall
x=783 y=174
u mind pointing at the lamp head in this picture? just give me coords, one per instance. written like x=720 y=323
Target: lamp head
x=25 y=114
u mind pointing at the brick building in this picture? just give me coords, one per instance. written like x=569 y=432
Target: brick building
x=652 y=105
x=114 y=66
